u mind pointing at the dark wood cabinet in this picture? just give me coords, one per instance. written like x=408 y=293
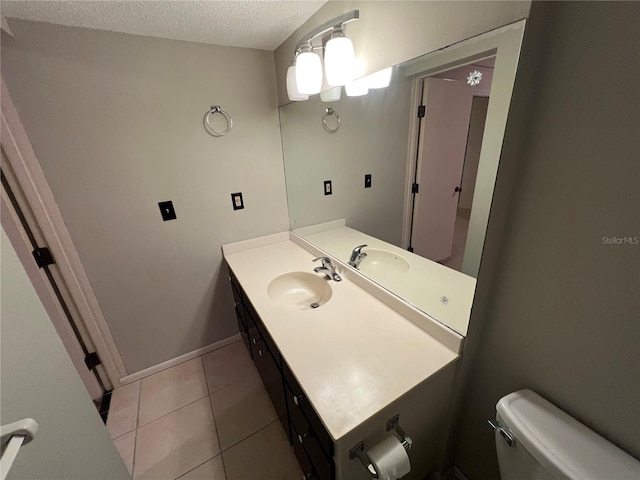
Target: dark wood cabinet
x=311 y=442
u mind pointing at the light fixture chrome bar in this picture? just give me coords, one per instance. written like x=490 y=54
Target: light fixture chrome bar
x=328 y=26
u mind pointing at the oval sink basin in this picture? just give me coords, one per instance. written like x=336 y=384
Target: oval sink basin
x=299 y=291
x=380 y=262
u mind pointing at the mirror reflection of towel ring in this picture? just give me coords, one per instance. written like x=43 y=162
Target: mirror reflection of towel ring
x=217 y=110
x=327 y=113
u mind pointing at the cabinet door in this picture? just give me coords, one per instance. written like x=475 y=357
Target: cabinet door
x=271 y=377
x=242 y=327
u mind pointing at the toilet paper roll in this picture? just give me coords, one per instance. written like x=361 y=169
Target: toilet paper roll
x=390 y=458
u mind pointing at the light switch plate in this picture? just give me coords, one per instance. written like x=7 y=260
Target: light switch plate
x=236 y=200
x=367 y=180
x=327 y=187
x=167 y=211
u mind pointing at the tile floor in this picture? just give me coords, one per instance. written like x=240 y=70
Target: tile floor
x=208 y=418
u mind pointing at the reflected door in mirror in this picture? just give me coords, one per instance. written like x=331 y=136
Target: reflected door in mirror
x=441 y=159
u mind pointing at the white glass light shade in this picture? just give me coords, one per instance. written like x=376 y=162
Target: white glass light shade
x=308 y=73
x=379 y=79
x=292 y=87
x=331 y=95
x=357 y=88
x=339 y=61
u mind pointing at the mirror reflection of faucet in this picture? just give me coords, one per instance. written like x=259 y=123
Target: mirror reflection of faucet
x=327 y=268
x=357 y=255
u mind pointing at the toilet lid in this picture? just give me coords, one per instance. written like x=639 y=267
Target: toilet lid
x=561 y=444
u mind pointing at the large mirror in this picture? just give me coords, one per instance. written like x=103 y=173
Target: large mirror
x=398 y=183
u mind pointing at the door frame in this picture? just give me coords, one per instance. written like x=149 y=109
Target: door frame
x=505 y=44
x=18 y=238
x=32 y=181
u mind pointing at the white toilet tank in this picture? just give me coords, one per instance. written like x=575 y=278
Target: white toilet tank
x=550 y=445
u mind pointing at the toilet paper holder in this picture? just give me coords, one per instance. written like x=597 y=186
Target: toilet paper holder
x=357 y=451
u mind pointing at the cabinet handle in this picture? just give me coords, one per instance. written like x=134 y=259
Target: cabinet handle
x=260 y=352
x=254 y=340
x=297 y=399
x=302 y=437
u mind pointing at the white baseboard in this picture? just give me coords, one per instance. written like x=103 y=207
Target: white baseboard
x=178 y=360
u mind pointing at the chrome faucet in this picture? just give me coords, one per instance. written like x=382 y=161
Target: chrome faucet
x=327 y=268
x=357 y=255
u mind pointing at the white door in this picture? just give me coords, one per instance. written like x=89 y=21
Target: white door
x=440 y=161
x=39 y=382
x=23 y=230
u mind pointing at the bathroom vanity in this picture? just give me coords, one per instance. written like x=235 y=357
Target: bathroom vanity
x=339 y=372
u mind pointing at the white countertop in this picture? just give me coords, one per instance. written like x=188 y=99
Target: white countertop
x=352 y=356
x=423 y=286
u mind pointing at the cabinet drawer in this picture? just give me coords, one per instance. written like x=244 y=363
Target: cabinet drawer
x=301 y=404
x=252 y=316
x=242 y=328
x=321 y=465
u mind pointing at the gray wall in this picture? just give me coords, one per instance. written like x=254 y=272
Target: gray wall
x=562 y=314
x=39 y=381
x=116 y=123
x=392 y=32
x=472 y=153
x=372 y=139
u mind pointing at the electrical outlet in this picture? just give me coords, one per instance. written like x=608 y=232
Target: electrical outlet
x=167 y=211
x=327 y=187
x=367 y=180
x=236 y=200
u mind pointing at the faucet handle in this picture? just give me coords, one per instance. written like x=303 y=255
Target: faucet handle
x=359 y=248
x=324 y=260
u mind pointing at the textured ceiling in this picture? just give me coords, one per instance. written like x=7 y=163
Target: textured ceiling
x=262 y=24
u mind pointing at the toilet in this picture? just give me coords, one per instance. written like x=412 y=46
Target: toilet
x=535 y=440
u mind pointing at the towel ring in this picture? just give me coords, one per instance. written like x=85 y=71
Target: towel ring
x=217 y=110
x=327 y=113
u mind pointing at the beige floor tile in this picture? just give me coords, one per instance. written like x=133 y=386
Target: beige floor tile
x=171 y=389
x=241 y=410
x=176 y=443
x=265 y=455
x=227 y=365
x=211 y=470
x=123 y=410
x=125 y=445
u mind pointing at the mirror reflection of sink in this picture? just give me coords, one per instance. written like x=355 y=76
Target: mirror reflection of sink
x=299 y=291
x=382 y=262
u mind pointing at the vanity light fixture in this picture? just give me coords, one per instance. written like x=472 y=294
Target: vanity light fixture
x=308 y=70
x=339 y=58
x=331 y=95
x=380 y=79
x=357 y=88
x=292 y=86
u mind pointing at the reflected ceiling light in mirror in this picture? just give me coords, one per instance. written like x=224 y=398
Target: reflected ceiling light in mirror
x=308 y=71
x=292 y=86
x=339 y=59
x=357 y=88
x=380 y=79
x=331 y=95
x=474 y=78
